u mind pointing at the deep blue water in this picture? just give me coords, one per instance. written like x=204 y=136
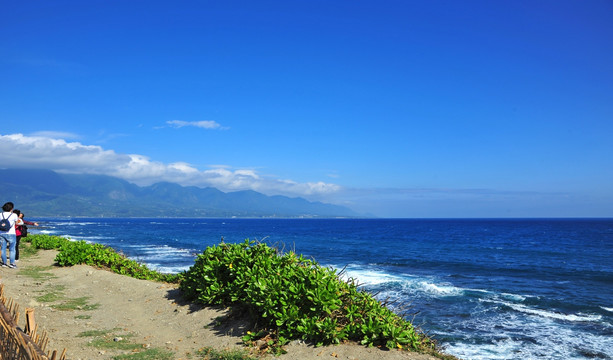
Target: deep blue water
x=486 y=289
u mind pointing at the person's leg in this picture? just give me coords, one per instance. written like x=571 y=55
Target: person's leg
x=12 y=240
x=3 y=240
x=17 y=248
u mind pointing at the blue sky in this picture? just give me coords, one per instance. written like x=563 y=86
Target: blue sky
x=393 y=108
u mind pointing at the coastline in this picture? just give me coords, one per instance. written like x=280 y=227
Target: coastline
x=81 y=307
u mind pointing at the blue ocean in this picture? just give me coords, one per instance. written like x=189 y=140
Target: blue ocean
x=485 y=289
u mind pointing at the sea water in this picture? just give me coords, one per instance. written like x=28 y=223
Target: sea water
x=485 y=289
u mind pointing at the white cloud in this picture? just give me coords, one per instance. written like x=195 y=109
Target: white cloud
x=43 y=152
x=205 y=124
x=56 y=134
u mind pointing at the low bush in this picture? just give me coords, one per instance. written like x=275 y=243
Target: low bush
x=46 y=242
x=82 y=252
x=295 y=298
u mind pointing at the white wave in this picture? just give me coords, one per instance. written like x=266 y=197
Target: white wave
x=93 y=238
x=513 y=297
x=157 y=257
x=370 y=277
x=71 y=223
x=513 y=338
x=555 y=315
x=437 y=289
x=161 y=252
x=168 y=269
x=549 y=314
x=407 y=282
x=607 y=308
x=498 y=350
x=71 y=238
x=480 y=291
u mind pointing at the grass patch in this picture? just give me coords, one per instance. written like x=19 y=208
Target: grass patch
x=83 y=317
x=50 y=297
x=57 y=294
x=57 y=288
x=76 y=304
x=26 y=250
x=92 y=333
x=115 y=343
x=149 y=354
x=37 y=272
x=212 y=354
x=109 y=340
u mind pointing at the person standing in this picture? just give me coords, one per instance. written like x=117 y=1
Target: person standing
x=21 y=230
x=8 y=237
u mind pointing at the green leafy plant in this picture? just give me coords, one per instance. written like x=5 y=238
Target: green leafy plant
x=81 y=252
x=47 y=242
x=295 y=298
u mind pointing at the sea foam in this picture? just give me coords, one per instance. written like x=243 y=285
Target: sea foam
x=405 y=282
x=436 y=289
x=369 y=277
x=548 y=313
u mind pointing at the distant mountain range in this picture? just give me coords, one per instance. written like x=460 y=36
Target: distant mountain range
x=41 y=193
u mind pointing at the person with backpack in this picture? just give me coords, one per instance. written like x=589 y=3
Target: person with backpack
x=21 y=230
x=7 y=234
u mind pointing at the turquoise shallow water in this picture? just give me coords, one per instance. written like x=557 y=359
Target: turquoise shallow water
x=486 y=289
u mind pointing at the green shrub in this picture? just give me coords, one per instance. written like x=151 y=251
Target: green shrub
x=81 y=252
x=47 y=242
x=295 y=298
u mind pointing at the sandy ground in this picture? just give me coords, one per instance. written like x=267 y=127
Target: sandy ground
x=112 y=309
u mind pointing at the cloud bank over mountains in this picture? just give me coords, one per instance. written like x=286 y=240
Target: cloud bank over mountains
x=47 y=152
x=61 y=153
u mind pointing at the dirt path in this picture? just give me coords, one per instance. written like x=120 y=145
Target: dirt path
x=96 y=314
